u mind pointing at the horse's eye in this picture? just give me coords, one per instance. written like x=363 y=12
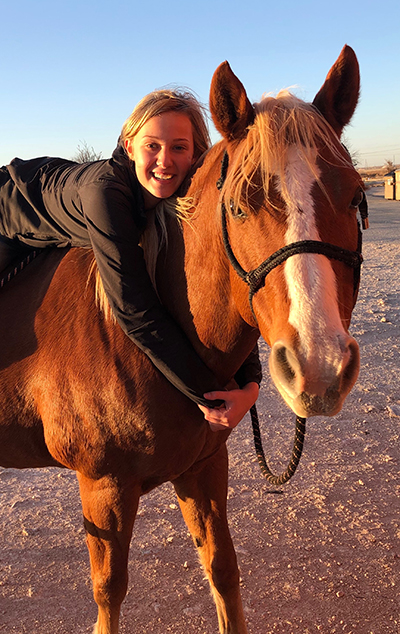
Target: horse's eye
x=236 y=212
x=358 y=198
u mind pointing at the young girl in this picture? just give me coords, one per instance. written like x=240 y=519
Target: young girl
x=102 y=205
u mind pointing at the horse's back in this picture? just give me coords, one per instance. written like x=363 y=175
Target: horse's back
x=21 y=433
x=86 y=396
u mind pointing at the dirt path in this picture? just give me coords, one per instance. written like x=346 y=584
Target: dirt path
x=323 y=555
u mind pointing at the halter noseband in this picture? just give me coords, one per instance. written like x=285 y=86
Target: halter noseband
x=255 y=279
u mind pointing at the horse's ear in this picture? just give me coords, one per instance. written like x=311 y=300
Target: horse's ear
x=230 y=108
x=338 y=97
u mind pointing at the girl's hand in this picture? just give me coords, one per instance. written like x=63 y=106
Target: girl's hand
x=237 y=404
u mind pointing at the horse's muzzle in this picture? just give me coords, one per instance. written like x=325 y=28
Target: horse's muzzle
x=315 y=384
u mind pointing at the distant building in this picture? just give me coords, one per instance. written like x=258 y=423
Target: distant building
x=392 y=185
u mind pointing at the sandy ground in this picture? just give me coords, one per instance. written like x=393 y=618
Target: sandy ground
x=320 y=555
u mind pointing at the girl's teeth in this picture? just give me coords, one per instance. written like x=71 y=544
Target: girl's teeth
x=163 y=177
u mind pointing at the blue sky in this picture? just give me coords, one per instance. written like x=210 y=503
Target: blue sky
x=73 y=71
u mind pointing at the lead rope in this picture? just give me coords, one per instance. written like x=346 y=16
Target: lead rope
x=296 y=450
x=19 y=267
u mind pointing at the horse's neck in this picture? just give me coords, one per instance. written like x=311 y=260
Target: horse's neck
x=195 y=286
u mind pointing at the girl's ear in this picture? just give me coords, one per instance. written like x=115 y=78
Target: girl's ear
x=129 y=148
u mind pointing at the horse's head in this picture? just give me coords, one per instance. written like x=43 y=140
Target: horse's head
x=286 y=179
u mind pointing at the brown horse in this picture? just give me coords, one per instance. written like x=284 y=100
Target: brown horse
x=77 y=393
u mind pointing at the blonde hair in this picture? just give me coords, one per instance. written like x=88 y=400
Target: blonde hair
x=166 y=100
x=153 y=239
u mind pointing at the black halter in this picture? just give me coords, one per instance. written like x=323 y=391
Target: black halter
x=255 y=279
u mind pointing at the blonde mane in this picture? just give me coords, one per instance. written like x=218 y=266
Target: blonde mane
x=280 y=123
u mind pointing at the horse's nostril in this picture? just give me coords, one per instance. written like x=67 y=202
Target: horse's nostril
x=351 y=369
x=284 y=364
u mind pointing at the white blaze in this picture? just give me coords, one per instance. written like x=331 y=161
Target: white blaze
x=310 y=278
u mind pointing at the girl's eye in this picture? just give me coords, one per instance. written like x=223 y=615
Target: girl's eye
x=358 y=198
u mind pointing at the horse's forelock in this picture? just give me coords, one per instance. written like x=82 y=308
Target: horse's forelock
x=281 y=122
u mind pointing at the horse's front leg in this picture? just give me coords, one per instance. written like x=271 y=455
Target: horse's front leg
x=109 y=510
x=202 y=493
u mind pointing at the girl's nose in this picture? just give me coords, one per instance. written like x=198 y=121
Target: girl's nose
x=164 y=158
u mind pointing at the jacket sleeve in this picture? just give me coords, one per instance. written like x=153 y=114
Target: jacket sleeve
x=114 y=237
x=251 y=370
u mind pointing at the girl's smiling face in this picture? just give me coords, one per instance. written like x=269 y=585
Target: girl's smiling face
x=163 y=154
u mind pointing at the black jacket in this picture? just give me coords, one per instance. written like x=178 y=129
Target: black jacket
x=54 y=202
